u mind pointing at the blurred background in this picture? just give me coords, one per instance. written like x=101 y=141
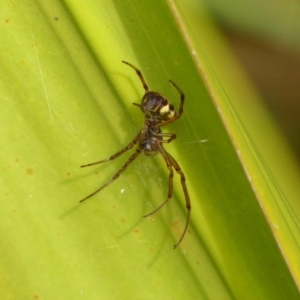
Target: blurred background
x=265 y=38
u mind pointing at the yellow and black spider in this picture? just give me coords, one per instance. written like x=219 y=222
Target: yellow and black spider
x=158 y=112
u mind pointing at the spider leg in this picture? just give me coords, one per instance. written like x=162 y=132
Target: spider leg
x=171 y=173
x=114 y=156
x=171 y=136
x=139 y=73
x=186 y=194
x=116 y=176
x=177 y=116
x=181 y=98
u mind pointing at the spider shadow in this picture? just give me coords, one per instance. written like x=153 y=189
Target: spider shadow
x=161 y=243
x=103 y=168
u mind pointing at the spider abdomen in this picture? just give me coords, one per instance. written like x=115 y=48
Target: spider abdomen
x=157 y=107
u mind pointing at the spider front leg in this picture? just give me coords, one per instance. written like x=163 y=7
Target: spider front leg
x=116 y=176
x=114 y=156
x=171 y=173
x=132 y=158
x=171 y=162
x=186 y=194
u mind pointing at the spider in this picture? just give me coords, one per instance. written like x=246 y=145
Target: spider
x=158 y=112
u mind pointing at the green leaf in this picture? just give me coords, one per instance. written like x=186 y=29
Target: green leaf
x=67 y=101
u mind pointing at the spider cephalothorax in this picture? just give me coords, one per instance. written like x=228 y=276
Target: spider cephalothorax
x=158 y=111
